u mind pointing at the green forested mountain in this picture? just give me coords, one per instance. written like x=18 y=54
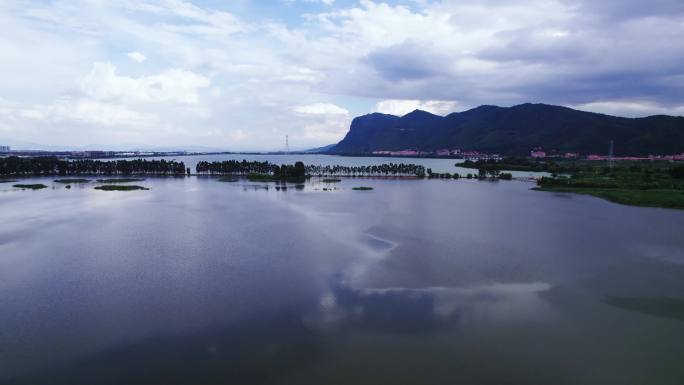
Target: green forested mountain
x=515 y=131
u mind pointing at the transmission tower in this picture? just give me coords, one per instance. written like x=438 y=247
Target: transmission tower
x=287 y=143
x=611 y=160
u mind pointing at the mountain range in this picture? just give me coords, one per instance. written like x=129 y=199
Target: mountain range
x=514 y=131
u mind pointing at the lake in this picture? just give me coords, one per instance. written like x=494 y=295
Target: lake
x=197 y=281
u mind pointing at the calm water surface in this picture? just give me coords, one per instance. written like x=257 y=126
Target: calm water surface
x=416 y=282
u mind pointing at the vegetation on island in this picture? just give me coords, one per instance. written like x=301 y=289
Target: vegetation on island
x=51 y=165
x=75 y=180
x=362 y=188
x=654 y=184
x=558 y=166
x=265 y=171
x=36 y=186
x=255 y=171
x=120 y=188
x=482 y=174
x=441 y=175
x=331 y=180
x=120 y=180
x=379 y=170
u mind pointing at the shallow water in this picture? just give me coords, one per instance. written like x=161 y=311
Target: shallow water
x=417 y=281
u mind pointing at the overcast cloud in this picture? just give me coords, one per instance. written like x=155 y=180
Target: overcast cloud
x=243 y=74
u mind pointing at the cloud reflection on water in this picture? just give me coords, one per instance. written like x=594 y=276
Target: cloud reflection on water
x=419 y=310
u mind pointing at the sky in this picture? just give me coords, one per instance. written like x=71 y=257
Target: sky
x=243 y=74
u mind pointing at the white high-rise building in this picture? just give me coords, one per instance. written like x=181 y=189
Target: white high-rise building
x=4 y=148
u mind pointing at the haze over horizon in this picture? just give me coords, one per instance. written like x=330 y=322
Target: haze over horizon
x=244 y=74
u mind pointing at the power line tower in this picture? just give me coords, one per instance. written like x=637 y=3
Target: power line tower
x=287 y=143
x=611 y=160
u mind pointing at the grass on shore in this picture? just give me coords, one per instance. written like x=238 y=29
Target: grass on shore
x=362 y=188
x=647 y=184
x=69 y=181
x=120 y=188
x=36 y=186
x=673 y=199
x=120 y=180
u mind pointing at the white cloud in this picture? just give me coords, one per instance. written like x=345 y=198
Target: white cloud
x=71 y=110
x=137 y=57
x=321 y=109
x=198 y=21
x=215 y=73
x=630 y=108
x=403 y=107
x=173 y=85
x=324 y=131
x=238 y=135
x=323 y=123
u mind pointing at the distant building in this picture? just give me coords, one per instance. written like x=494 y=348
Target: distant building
x=571 y=155
x=596 y=157
x=97 y=154
x=399 y=153
x=678 y=157
x=476 y=155
x=91 y=154
x=538 y=153
x=443 y=152
x=4 y=148
x=405 y=153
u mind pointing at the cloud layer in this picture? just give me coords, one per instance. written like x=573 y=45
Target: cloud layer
x=243 y=76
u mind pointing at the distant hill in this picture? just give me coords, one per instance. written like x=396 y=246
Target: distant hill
x=515 y=131
x=320 y=150
x=26 y=146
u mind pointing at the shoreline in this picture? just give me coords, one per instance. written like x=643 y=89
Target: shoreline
x=656 y=198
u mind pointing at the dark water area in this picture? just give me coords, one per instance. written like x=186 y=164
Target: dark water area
x=196 y=281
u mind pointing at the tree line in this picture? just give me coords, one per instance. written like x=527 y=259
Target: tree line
x=244 y=167
x=482 y=174
x=50 y=165
x=526 y=164
x=390 y=169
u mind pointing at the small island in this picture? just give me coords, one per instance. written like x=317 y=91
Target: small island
x=362 y=188
x=36 y=186
x=120 y=180
x=69 y=181
x=120 y=188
